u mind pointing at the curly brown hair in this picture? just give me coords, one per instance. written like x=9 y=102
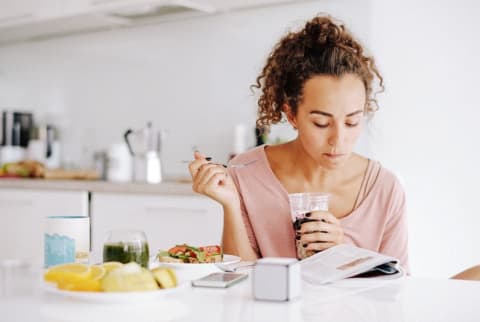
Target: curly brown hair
x=322 y=47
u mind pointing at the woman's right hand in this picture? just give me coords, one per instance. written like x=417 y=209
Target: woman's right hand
x=212 y=180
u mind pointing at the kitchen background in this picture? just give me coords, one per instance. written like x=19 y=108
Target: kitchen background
x=191 y=78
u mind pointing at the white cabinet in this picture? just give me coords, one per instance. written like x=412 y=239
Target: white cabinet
x=23 y=20
x=227 y=5
x=23 y=215
x=167 y=220
x=17 y=11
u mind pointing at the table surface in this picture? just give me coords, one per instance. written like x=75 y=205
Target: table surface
x=407 y=299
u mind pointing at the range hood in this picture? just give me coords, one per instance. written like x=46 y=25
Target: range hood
x=64 y=19
x=100 y=15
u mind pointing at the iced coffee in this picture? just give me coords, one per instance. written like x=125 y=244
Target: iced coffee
x=300 y=205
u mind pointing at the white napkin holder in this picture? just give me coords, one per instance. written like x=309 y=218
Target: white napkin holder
x=276 y=279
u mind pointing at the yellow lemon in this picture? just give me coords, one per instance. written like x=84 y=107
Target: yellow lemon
x=165 y=277
x=67 y=273
x=110 y=266
x=92 y=284
x=98 y=272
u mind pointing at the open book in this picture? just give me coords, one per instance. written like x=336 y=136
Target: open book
x=344 y=261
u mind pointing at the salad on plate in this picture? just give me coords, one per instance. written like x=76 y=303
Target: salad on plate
x=191 y=254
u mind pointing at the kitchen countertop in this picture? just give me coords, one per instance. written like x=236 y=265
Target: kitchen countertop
x=167 y=187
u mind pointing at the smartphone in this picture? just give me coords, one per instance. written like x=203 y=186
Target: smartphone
x=221 y=280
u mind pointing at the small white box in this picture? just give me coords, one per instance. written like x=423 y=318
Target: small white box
x=276 y=279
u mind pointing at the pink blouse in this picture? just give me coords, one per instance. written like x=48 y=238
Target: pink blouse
x=378 y=222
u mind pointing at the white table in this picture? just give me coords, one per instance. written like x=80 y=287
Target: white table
x=409 y=299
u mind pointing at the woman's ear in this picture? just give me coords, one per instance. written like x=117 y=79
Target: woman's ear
x=291 y=117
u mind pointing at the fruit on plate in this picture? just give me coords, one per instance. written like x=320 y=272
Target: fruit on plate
x=129 y=278
x=191 y=254
x=165 y=277
x=91 y=284
x=68 y=273
x=76 y=277
x=110 y=266
x=110 y=277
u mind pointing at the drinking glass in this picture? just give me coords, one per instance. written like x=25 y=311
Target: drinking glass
x=301 y=204
x=18 y=277
x=126 y=246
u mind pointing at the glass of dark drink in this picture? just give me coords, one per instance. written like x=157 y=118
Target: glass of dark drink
x=300 y=205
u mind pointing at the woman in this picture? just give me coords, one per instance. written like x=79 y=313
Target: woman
x=320 y=79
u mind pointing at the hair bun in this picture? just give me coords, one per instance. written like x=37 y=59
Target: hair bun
x=322 y=31
x=322 y=47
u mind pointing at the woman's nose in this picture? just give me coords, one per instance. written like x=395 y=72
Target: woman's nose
x=336 y=136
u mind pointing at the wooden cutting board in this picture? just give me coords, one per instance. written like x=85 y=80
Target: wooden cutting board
x=77 y=174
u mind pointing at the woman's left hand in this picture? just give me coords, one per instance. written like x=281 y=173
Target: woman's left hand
x=322 y=232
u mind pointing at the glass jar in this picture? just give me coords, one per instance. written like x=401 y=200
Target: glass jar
x=126 y=246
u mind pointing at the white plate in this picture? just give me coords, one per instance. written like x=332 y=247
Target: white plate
x=113 y=297
x=227 y=259
x=189 y=272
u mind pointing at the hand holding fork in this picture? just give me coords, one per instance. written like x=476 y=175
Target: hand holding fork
x=212 y=180
x=230 y=166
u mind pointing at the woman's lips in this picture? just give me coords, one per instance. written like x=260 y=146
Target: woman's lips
x=333 y=156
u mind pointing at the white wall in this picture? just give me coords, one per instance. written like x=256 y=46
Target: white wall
x=427 y=128
x=190 y=77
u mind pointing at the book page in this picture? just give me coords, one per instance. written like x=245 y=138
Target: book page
x=340 y=262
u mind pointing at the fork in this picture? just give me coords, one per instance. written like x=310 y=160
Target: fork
x=232 y=269
x=241 y=165
x=231 y=166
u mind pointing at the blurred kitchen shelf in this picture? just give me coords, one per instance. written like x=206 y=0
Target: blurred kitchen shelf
x=172 y=187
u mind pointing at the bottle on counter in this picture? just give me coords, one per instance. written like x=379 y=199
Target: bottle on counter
x=100 y=160
x=44 y=146
x=239 y=140
x=119 y=163
x=261 y=136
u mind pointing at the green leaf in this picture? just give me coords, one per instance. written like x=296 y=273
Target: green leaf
x=195 y=249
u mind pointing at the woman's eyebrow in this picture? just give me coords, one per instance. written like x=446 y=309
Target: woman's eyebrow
x=331 y=115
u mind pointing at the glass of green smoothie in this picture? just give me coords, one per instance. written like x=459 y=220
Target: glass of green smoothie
x=126 y=246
